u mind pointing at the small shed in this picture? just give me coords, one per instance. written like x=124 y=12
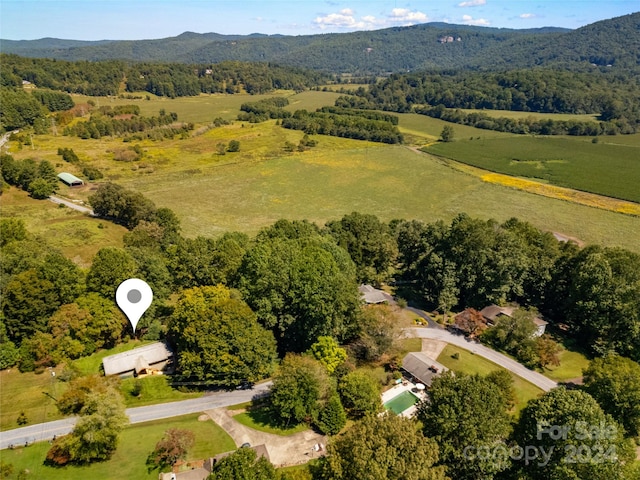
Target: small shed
x=70 y=180
x=154 y=356
x=422 y=367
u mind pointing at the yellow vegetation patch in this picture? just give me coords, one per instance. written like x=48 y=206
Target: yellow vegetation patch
x=583 y=198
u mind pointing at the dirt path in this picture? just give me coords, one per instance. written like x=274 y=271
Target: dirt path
x=283 y=450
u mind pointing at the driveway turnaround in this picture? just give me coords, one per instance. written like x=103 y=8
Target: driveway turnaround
x=46 y=431
x=283 y=450
x=535 y=378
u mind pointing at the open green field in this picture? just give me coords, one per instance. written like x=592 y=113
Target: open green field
x=422 y=128
x=253 y=188
x=75 y=234
x=538 y=116
x=603 y=168
x=30 y=393
x=472 y=364
x=262 y=183
x=136 y=442
x=204 y=108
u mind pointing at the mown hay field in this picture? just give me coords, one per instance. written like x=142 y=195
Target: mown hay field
x=604 y=168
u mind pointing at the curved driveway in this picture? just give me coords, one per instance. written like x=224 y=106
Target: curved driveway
x=46 y=431
x=536 y=378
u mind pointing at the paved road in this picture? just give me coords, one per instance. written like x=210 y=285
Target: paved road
x=536 y=378
x=46 y=431
x=69 y=204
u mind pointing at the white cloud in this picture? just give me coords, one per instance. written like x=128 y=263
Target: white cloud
x=473 y=3
x=528 y=15
x=346 y=19
x=469 y=20
x=406 y=16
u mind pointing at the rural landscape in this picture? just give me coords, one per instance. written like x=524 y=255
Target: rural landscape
x=397 y=253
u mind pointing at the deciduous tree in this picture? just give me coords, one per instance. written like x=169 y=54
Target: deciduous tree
x=381 y=448
x=614 y=382
x=579 y=439
x=300 y=387
x=218 y=338
x=360 y=394
x=465 y=411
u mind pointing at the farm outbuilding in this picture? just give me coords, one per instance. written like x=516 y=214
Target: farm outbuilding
x=70 y=180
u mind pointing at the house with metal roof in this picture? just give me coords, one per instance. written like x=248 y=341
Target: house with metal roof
x=154 y=357
x=70 y=180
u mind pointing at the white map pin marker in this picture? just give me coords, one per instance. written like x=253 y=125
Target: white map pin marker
x=134 y=296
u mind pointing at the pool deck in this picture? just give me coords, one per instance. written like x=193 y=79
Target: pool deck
x=396 y=390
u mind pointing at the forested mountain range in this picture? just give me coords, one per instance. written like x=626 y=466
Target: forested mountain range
x=614 y=42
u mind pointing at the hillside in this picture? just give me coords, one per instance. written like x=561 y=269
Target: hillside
x=613 y=42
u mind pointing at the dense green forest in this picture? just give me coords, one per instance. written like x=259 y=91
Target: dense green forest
x=609 y=42
x=614 y=96
x=163 y=79
x=595 y=291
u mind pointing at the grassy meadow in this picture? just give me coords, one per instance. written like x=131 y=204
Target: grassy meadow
x=135 y=444
x=262 y=183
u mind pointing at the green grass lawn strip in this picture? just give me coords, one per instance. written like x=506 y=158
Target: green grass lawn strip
x=262 y=419
x=135 y=444
x=472 y=364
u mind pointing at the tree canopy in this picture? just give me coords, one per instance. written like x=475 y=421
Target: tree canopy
x=388 y=447
x=218 y=339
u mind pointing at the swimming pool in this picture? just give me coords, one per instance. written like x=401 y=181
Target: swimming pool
x=400 y=403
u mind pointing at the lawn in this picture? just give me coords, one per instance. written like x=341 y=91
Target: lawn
x=91 y=364
x=472 y=364
x=153 y=390
x=603 y=168
x=571 y=366
x=30 y=393
x=136 y=442
x=260 y=418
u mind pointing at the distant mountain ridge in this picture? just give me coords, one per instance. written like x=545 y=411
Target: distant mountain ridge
x=613 y=42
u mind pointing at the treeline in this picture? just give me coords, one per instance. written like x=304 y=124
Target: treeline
x=613 y=96
x=593 y=292
x=301 y=280
x=36 y=177
x=263 y=110
x=136 y=127
x=529 y=125
x=162 y=79
x=21 y=108
x=346 y=123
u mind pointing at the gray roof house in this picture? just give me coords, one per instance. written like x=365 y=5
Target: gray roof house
x=492 y=312
x=153 y=356
x=422 y=367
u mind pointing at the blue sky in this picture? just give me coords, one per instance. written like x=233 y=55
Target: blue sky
x=137 y=19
